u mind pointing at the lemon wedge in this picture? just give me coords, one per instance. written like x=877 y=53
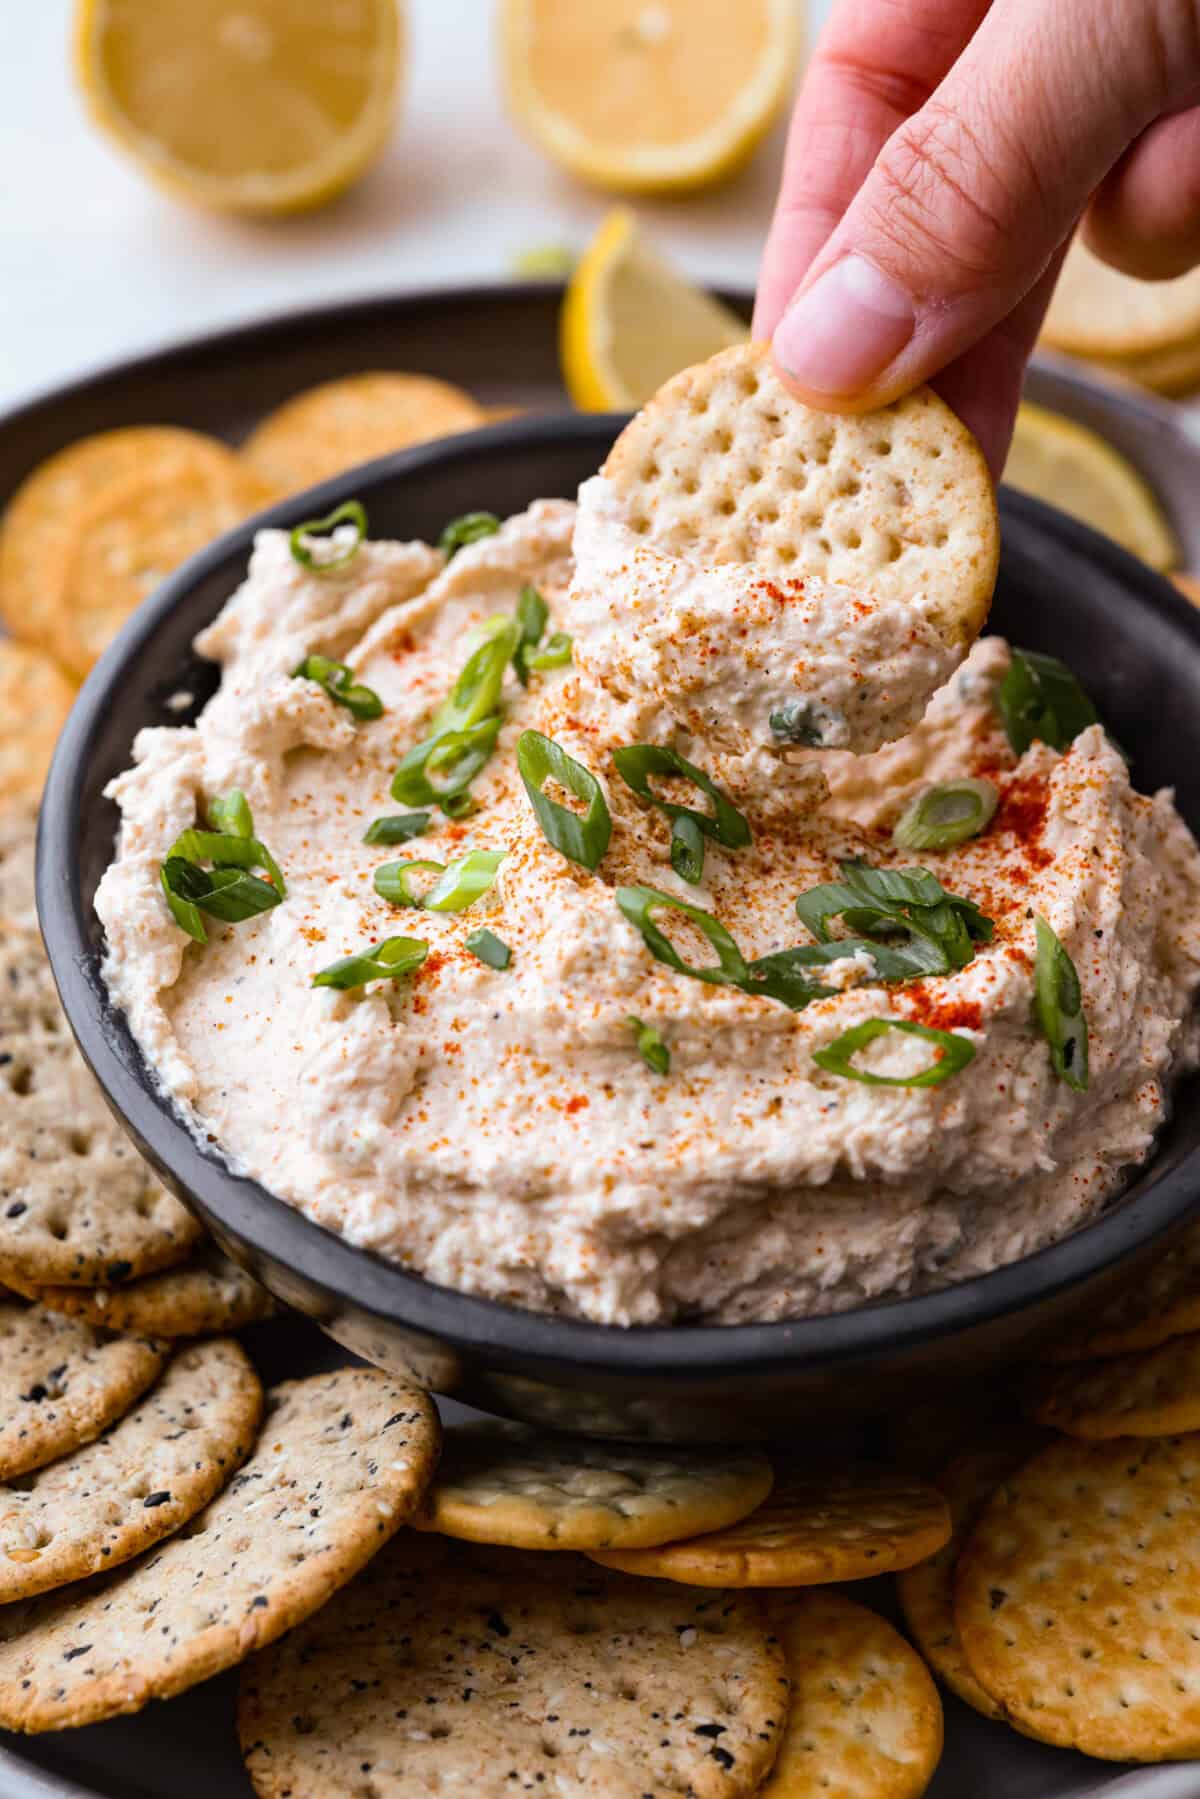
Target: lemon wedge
x=251 y=106
x=649 y=96
x=1069 y=466
x=630 y=321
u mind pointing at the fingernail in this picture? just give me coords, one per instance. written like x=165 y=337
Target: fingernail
x=841 y=334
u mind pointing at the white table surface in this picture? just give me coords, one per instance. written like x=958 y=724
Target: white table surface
x=96 y=265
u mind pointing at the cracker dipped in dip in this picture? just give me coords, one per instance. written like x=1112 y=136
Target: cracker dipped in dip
x=676 y=1015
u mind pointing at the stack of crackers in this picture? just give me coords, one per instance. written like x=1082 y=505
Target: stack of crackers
x=1144 y=331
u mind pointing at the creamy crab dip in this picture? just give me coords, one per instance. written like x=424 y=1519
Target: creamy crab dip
x=596 y=1059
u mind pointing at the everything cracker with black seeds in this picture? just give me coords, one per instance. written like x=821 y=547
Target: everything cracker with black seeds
x=502 y=1671
x=340 y=1464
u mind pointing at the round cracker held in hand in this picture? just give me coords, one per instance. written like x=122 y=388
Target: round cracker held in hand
x=147 y=1475
x=341 y=1461
x=79 y=1206
x=62 y=1383
x=510 y=1486
x=203 y=1296
x=1076 y=1598
x=467 y=1670
x=816 y=1527
x=865 y=1720
x=35 y=697
x=1148 y=1395
x=724 y=466
x=340 y=423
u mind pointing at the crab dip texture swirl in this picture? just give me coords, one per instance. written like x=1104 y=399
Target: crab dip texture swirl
x=544 y=1110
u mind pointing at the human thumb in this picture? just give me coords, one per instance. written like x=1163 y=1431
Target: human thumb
x=970 y=198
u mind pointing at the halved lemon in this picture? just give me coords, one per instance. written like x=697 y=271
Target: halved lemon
x=630 y=321
x=1062 y=462
x=253 y=106
x=649 y=96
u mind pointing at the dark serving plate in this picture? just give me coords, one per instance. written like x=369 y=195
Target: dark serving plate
x=1136 y=646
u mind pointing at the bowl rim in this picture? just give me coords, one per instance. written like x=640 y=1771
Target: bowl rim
x=258 y=1221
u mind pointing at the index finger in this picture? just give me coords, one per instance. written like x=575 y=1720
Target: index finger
x=876 y=64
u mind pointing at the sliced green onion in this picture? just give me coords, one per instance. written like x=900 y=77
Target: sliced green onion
x=352 y=513
x=918 y=926
x=393 y=881
x=176 y=877
x=544 y=262
x=636 y=762
x=554 y=653
x=459 y=805
x=806 y=724
x=229 y=894
x=385 y=961
x=464 y=881
x=476 y=693
x=687 y=850
x=224 y=851
x=455 y=756
x=339 y=683
x=397 y=827
x=1058 y=1007
x=532 y=617
x=946 y=814
x=489 y=948
x=1039 y=697
x=954 y=1053
x=229 y=813
x=639 y=905
x=650 y=1047
x=788 y=974
x=582 y=840
x=467 y=529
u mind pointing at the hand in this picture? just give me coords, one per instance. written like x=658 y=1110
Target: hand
x=940 y=155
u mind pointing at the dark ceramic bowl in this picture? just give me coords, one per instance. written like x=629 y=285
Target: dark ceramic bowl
x=1134 y=643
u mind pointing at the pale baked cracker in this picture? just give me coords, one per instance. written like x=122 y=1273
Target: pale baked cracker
x=865 y=1720
x=148 y=1474
x=127 y=540
x=1076 y=1598
x=62 y=1383
x=78 y=1206
x=1173 y=370
x=1098 y=311
x=1161 y=1301
x=1151 y=1393
x=816 y=1527
x=926 y=1591
x=202 y=1297
x=45 y=509
x=459 y=1669
x=341 y=1461
x=35 y=697
x=512 y=1486
x=18 y=839
x=724 y=465
x=340 y=423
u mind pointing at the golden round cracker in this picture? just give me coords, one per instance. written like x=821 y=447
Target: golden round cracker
x=148 y=1474
x=817 y=1526
x=926 y=1591
x=724 y=466
x=62 y=1383
x=1161 y=1302
x=18 y=838
x=1076 y=1598
x=340 y=423
x=128 y=538
x=1174 y=370
x=35 y=697
x=865 y=1720
x=78 y=1206
x=511 y=1486
x=44 y=511
x=341 y=1462
x=451 y=1667
x=200 y=1298
x=1151 y=1393
x=1098 y=311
